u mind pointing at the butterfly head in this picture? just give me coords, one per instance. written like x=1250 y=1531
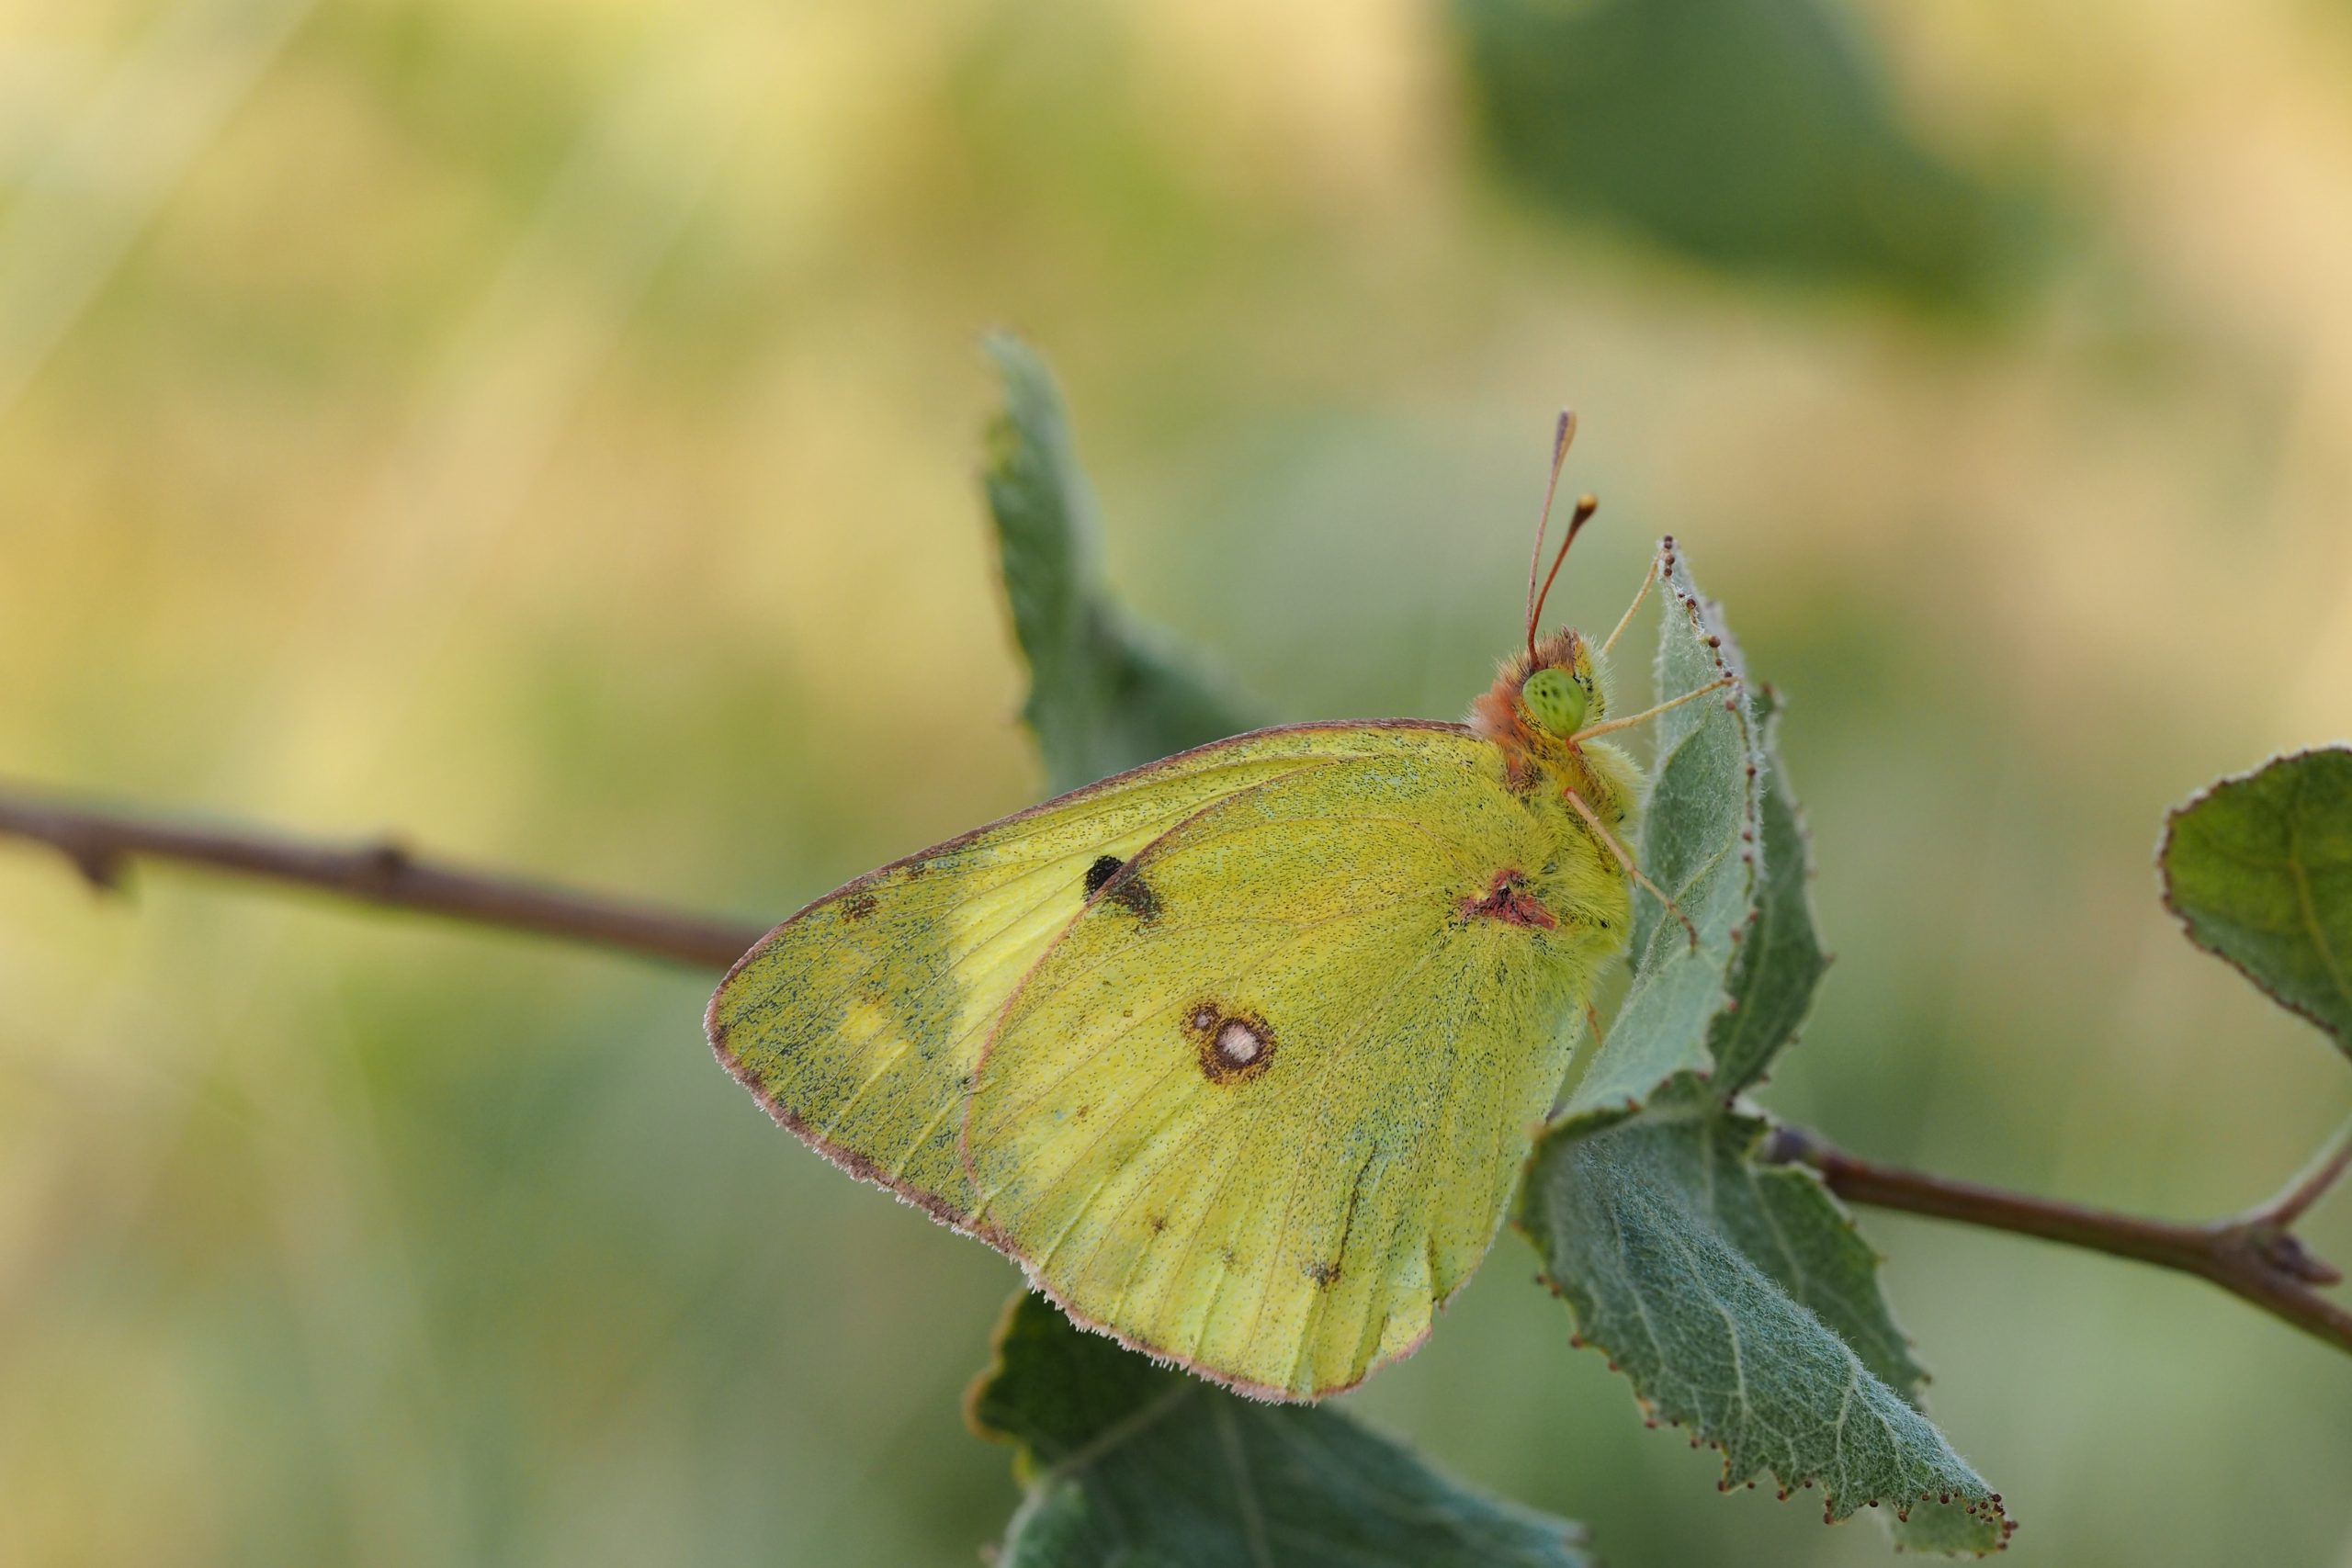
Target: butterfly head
x=1558 y=697
x=1558 y=691
x=1538 y=702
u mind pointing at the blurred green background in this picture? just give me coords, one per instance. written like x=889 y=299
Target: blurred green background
x=549 y=427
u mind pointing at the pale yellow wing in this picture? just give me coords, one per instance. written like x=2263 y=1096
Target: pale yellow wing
x=1260 y=1108
x=858 y=1022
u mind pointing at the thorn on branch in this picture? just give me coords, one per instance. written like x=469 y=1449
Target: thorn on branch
x=384 y=862
x=102 y=869
x=2290 y=1257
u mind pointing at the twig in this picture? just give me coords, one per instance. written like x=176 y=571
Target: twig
x=2327 y=1168
x=2253 y=1257
x=102 y=843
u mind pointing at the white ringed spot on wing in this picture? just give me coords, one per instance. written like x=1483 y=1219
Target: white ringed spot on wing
x=1234 y=1045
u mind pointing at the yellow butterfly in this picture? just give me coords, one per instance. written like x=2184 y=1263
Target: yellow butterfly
x=1237 y=1054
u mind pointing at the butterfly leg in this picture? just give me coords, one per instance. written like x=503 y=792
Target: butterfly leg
x=1627 y=618
x=1604 y=727
x=1609 y=840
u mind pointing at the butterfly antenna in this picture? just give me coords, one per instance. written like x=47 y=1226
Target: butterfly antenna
x=1561 y=437
x=1586 y=506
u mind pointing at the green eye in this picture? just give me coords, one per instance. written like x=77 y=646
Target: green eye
x=1555 y=699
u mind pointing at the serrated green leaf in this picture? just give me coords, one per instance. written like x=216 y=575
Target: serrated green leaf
x=1104 y=694
x=1740 y=1303
x=1780 y=962
x=1698 y=842
x=1751 y=135
x=2259 y=869
x=1738 y=1296
x=1134 y=1464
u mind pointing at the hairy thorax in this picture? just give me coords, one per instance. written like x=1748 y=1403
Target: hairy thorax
x=1581 y=883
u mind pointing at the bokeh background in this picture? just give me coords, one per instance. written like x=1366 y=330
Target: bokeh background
x=549 y=426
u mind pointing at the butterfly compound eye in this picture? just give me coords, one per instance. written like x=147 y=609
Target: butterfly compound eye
x=1555 y=700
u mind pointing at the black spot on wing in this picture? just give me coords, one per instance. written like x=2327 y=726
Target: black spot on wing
x=1128 y=890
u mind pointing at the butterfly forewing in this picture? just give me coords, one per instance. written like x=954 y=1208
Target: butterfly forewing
x=858 y=1022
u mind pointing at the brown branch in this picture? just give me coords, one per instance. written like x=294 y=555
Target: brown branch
x=2254 y=1257
x=102 y=843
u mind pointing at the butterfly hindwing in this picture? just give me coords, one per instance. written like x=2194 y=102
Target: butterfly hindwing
x=1231 y=1051
x=1268 y=1128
